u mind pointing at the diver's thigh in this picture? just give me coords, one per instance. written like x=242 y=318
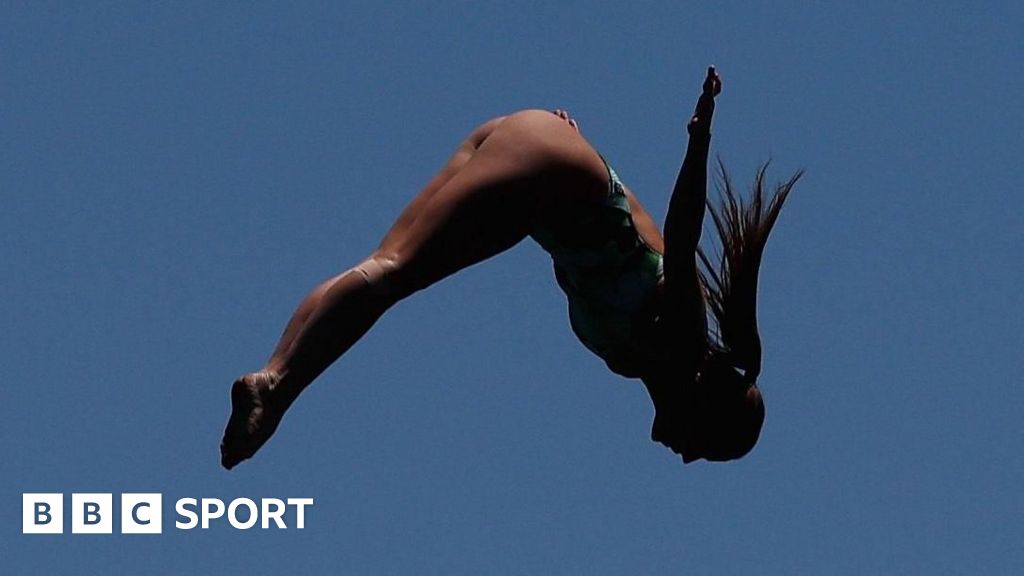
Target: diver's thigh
x=530 y=168
x=456 y=162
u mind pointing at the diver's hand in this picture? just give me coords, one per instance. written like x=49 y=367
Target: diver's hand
x=564 y=115
x=712 y=84
x=700 y=122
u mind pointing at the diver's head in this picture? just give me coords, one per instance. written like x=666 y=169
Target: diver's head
x=723 y=413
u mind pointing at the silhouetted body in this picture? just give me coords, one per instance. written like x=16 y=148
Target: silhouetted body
x=636 y=299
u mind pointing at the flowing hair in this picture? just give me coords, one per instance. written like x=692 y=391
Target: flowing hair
x=730 y=288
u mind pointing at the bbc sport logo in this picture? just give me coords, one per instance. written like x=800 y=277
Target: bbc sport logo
x=93 y=513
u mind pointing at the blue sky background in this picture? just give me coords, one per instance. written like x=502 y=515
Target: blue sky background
x=175 y=176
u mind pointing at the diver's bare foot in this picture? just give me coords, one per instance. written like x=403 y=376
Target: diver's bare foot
x=254 y=417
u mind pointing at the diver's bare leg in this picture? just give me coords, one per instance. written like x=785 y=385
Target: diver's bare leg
x=251 y=417
x=487 y=206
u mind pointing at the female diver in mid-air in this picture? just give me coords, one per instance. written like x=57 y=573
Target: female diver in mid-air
x=636 y=300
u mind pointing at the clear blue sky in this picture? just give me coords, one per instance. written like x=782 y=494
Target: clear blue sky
x=175 y=176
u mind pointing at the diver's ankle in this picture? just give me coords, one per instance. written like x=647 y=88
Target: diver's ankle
x=283 y=389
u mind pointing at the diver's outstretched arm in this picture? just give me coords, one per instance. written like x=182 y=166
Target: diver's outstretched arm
x=686 y=208
x=684 y=303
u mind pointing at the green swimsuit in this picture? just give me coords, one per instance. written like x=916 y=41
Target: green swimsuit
x=610 y=277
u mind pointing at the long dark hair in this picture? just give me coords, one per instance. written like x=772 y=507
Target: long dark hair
x=730 y=288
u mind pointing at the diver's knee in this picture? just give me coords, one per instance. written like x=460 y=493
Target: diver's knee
x=387 y=277
x=378 y=273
